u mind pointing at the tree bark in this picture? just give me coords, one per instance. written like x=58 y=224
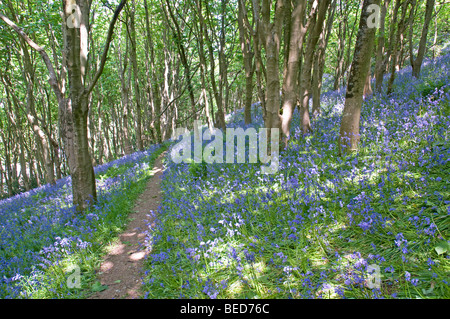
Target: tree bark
x=305 y=82
x=349 y=131
x=182 y=52
x=152 y=80
x=247 y=53
x=270 y=37
x=397 y=42
x=319 y=61
x=134 y=63
x=290 y=87
x=381 y=48
x=125 y=79
x=417 y=62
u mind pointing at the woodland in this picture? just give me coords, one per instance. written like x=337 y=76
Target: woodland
x=92 y=93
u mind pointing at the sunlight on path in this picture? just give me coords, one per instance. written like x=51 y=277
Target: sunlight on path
x=120 y=272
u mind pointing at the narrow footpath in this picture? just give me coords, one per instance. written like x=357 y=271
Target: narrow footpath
x=121 y=270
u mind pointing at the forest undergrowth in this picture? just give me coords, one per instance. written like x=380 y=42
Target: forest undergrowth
x=324 y=226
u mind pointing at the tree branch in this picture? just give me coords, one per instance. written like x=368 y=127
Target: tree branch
x=53 y=79
x=107 y=45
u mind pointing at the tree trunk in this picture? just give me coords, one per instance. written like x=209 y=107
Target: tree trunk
x=319 y=61
x=368 y=85
x=381 y=48
x=76 y=48
x=270 y=35
x=74 y=109
x=203 y=66
x=290 y=87
x=305 y=82
x=342 y=34
x=153 y=80
x=246 y=48
x=182 y=52
x=349 y=132
x=125 y=79
x=417 y=62
x=397 y=42
x=137 y=94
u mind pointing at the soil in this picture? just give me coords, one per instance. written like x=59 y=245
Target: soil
x=121 y=270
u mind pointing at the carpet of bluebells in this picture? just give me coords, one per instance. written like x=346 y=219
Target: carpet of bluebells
x=41 y=235
x=317 y=227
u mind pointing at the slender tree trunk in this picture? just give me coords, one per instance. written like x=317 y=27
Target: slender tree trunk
x=290 y=87
x=342 y=34
x=368 y=85
x=153 y=79
x=349 y=132
x=217 y=88
x=2 y=189
x=137 y=94
x=8 y=170
x=319 y=61
x=435 y=33
x=305 y=82
x=203 y=66
x=270 y=36
x=397 y=42
x=125 y=79
x=182 y=52
x=246 y=48
x=417 y=62
x=223 y=63
x=381 y=48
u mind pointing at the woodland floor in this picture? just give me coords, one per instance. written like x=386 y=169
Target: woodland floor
x=121 y=269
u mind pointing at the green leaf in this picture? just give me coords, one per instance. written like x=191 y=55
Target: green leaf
x=442 y=248
x=97 y=287
x=430 y=204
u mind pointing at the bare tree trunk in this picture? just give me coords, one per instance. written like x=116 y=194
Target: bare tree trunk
x=342 y=34
x=153 y=80
x=246 y=47
x=217 y=88
x=396 y=43
x=270 y=36
x=125 y=79
x=223 y=63
x=137 y=94
x=435 y=33
x=305 y=82
x=1 y=180
x=417 y=62
x=8 y=171
x=381 y=48
x=15 y=121
x=368 y=85
x=203 y=66
x=319 y=61
x=182 y=52
x=290 y=87
x=349 y=132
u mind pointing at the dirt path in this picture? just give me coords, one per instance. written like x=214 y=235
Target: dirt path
x=121 y=268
